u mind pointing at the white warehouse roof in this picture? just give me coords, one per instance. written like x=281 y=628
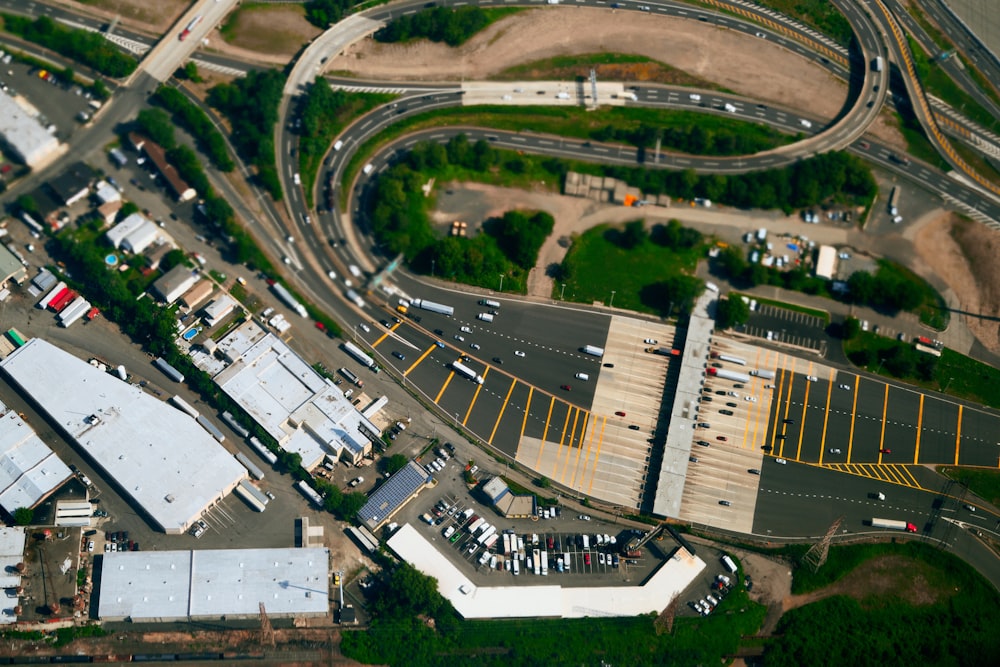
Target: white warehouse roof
x=826 y=262
x=29 y=470
x=160 y=457
x=133 y=234
x=214 y=583
x=24 y=135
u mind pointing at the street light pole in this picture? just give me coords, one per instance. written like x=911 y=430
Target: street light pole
x=501 y=282
x=432 y=268
x=562 y=294
x=612 y=304
x=946 y=385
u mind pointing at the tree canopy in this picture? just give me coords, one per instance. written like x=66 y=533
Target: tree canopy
x=440 y=24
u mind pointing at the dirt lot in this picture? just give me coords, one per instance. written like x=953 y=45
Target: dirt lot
x=746 y=65
x=269 y=33
x=150 y=17
x=963 y=254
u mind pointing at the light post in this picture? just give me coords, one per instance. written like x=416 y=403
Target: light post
x=432 y=268
x=946 y=384
x=562 y=293
x=501 y=282
x=612 y=304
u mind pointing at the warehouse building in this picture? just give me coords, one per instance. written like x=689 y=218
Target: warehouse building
x=159 y=457
x=24 y=137
x=303 y=411
x=214 y=584
x=29 y=470
x=133 y=234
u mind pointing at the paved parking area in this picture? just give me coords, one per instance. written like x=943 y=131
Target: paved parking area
x=789 y=327
x=57 y=104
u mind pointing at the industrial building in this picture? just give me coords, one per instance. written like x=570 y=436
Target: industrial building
x=73 y=184
x=12 y=543
x=392 y=496
x=133 y=234
x=158 y=456
x=24 y=137
x=177 y=185
x=214 y=584
x=506 y=502
x=11 y=267
x=29 y=470
x=303 y=411
x=171 y=285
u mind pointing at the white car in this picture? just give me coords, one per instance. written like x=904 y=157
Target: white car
x=804 y=123
x=90 y=545
x=364 y=327
x=600 y=558
x=460 y=339
x=650 y=341
x=466 y=329
x=518 y=353
x=733 y=394
x=781 y=461
x=752 y=399
x=290 y=238
x=845 y=387
x=834 y=450
x=584 y=517
x=695 y=97
x=286 y=259
x=812 y=378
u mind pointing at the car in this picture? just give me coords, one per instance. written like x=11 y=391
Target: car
x=725 y=503
x=704 y=443
x=550 y=543
x=693 y=459
x=364 y=327
x=965 y=505
x=633 y=427
x=834 y=450
x=466 y=330
x=787 y=421
x=730 y=404
x=728 y=413
x=738 y=385
x=703 y=425
x=864 y=145
x=761 y=35
x=720 y=392
x=474 y=346
x=733 y=394
x=609 y=365
x=805 y=123
x=722 y=438
x=90 y=545
x=439 y=344
x=845 y=387
x=290 y=238
x=460 y=339
x=518 y=353
x=286 y=259
x=812 y=378
x=650 y=341
x=498 y=360
x=600 y=558
x=706 y=399
x=752 y=399
x=399 y=355
x=584 y=517
x=586 y=559
x=565 y=387
x=865 y=325
x=619 y=413
x=753 y=471
x=781 y=461
x=885 y=451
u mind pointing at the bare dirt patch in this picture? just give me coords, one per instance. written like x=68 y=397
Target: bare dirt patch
x=273 y=33
x=963 y=253
x=746 y=65
x=143 y=15
x=652 y=72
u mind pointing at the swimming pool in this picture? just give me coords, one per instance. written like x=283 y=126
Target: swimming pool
x=190 y=333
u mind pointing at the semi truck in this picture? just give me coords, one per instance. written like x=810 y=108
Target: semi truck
x=545 y=563
x=190 y=26
x=467 y=372
x=168 y=370
x=891 y=524
x=727 y=357
x=433 y=307
x=288 y=299
x=728 y=375
x=593 y=350
x=766 y=375
x=359 y=354
x=352 y=378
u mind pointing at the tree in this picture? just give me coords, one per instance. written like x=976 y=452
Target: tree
x=401 y=591
x=155 y=124
x=27 y=204
x=633 y=234
x=127 y=209
x=190 y=71
x=852 y=327
x=732 y=262
x=394 y=463
x=731 y=312
x=23 y=516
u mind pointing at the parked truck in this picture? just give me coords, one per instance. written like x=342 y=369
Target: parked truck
x=433 y=307
x=358 y=354
x=289 y=300
x=728 y=375
x=351 y=377
x=766 y=375
x=467 y=372
x=892 y=524
x=545 y=563
x=593 y=349
x=728 y=357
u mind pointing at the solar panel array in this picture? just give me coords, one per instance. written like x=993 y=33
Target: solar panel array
x=393 y=494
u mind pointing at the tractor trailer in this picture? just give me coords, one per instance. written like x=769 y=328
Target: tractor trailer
x=433 y=307
x=891 y=524
x=593 y=349
x=464 y=370
x=359 y=354
x=728 y=375
x=766 y=375
x=731 y=359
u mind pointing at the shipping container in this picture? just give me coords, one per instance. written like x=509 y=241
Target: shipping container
x=184 y=406
x=262 y=450
x=53 y=293
x=251 y=467
x=168 y=370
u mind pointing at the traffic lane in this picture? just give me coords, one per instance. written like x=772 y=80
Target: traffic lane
x=979 y=438
x=498 y=411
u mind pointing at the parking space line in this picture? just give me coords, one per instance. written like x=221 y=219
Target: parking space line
x=419 y=359
x=826 y=421
x=545 y=432
x=920 y=422
x=562 y=439
x=777 y=409
x=588 y=421
x=597 y=455
x=569 y=445
x=885 y=411
x=854 y=416
x=447 y=381
x=475 y=395
x=506 y=401
x=958 y=433
x=527 y=409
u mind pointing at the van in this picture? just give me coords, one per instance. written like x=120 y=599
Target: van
x=348 y=393
x=586 y=542
x=296 y=179
x=712 y=286
x=582 y=376
x=368 y=168
x=337 y=146
x=485 y=317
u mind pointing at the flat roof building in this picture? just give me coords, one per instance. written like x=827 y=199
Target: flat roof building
x=171 y=285
x=12 y=543
x=24 y=137
x=159 y=457
x=392 y=496
x=303 y=411
x=73 y=184
x=826 y=262
x=214 y=584
x=218 y=309
x=181 y=190
x=29 y=470
x=11 y=267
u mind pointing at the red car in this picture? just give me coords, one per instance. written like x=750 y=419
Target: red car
x=620 y=413
x=722 y=438
x=586 y=559
x=321 y=326
x=885 y=451
x=566 y=387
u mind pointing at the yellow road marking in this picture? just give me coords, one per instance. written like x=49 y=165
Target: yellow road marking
x=510 y=390
x=826 y=420
x=597 y=456
x=576 y=464
x=419 y=360
x=475 y=396
x=885 y=411
x=854 y=414
x=527 y=408
x=569 y=445
x=958 y=434
x=562 y=439
x=545 y=432
x=920 y=423
x=444 y=386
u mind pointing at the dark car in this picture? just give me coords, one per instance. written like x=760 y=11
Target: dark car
x=706 y=399
x=738 y=385
x=633 y=427
x=730 y=404
x=609 y=365
x=620 y=413
x=550 y=543
x=722 y=438
x=438 y=332
x=720 y=392
x=787 y=421
x=566 y=387
x=725 y=503
x=399 y=355
x=704 y=443
x=728 y=413
x=498 y=360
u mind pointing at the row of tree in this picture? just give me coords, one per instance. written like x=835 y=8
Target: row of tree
x=440 y=24
x=89 y=48
x=251 y=104
x=190 y=117
x=324 y=13
x=693 y=138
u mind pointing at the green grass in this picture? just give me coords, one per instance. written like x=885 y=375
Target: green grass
x=598 y=266
x=819 y=14
x=937 y=82
x=821 y=314
x=918 y=145
x=932 y=31
x=933 y=311
x=983 y=482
